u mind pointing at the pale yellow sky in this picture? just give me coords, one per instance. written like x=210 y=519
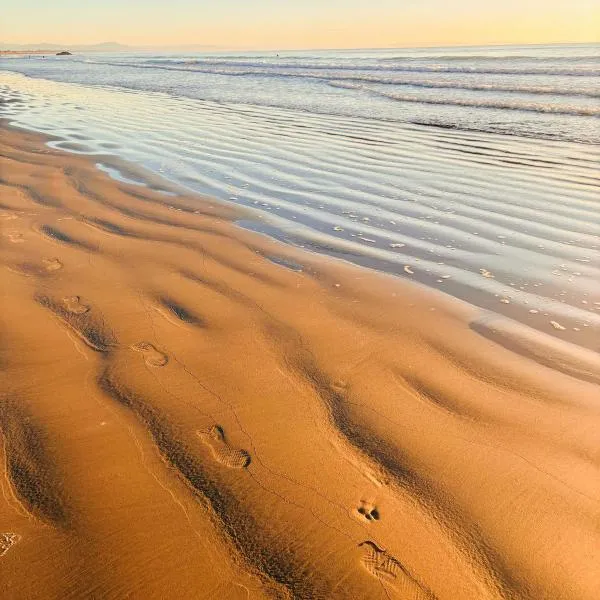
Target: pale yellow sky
x=301 y=23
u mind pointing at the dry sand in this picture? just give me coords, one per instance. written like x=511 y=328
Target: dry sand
x=183 y=417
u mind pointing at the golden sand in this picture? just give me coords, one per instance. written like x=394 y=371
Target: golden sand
x=181 y=417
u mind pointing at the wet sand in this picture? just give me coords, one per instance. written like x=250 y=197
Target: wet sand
x=191 y=410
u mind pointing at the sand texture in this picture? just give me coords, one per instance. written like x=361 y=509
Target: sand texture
x=183 y=416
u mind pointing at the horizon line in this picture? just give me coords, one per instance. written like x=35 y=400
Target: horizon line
x=32 y=47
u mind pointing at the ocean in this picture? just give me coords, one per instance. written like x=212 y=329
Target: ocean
x=470 y=170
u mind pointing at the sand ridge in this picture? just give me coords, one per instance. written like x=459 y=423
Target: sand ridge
x=276 y=433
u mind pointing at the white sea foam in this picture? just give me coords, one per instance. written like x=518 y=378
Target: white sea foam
x=536 y=91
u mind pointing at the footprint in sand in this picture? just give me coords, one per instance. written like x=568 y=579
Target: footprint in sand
x=34 y=269
x=368 y=511
x=52 y=264
x=386 y=568
x=7 y=541
x=91 y=328
x=233 y=458
x=379 y=563
x=340 y=386
x=152 y=356
x=14 y=236
x=74 y=305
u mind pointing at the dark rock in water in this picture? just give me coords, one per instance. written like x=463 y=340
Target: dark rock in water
x=64 y=53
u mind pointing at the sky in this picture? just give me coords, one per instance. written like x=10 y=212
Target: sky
x=300 y=23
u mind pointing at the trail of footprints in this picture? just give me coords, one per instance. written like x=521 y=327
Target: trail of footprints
x=377 y=562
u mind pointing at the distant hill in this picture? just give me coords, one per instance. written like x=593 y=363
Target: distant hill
x=104 y=47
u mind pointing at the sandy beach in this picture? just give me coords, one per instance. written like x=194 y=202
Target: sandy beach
x=192 y=410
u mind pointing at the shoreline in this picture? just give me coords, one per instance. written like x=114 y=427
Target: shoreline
x=524 y=338
x=471 y=217
x=324 y=433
